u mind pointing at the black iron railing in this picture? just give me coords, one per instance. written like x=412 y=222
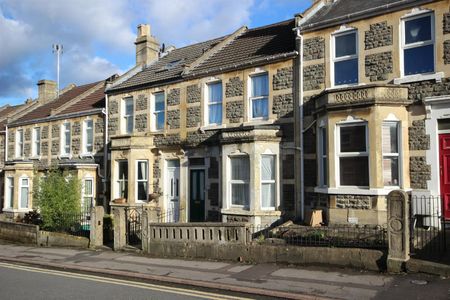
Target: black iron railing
x=77 y=224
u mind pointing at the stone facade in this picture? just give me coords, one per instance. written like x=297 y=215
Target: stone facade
x=173 y=97
x=314 y=48
x=213 y=171
x=98 y=143
x=113 y=107
x=27 y=149
x=288 y=197
x=288 y=166
x=193 y=116
x=76 y=145
x=44 y=148
x=44 y=132
x=193 y=94
x=213 y=194
x=447 y=52
x=195 y=139
x=234 y=87
x=55 y=131
x=418 y=139
x=420 y=172
x=27 y=134
x=167 y=140
x=234 y=111
x=173 y=119
x=283 y=106
x=55 y=147
x=379 y=35
x=420 y=90
x=379 y=65
x=446 y=23
x=140 y=122
x=141 y=102
x=353 y=201
x=99 y=126
x=283 y=79
x=76 y=128
x=313 y=77
x=113 y=125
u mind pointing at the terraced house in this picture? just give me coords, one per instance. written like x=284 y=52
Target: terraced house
x=205 y=132
x=377 y=104
x=58 y=131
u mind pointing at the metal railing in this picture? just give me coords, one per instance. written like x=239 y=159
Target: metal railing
x=77 y=224
x=170 y=215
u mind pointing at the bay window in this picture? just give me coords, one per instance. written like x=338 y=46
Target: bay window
x=390 y=146
x=418 y=44
x=240 y=179
x=215 y=103
x=268 y=183
x=159 y=111
x=128 y=115
x=345 y=58
x=9 y=195
x=353 y=155
x=323 y=158
x=259 y=96
x=122 y=179
x=142 y=180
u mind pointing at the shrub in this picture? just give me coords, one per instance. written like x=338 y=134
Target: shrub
x=32 y=217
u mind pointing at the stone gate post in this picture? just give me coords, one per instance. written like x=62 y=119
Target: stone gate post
x=96 y=227
x=398 y=230
x=119 y=227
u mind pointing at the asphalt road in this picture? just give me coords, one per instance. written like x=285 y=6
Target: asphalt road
x=23 y=282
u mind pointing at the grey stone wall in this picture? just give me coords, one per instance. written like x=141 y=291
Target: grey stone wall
x=213 y=171
x=140 y=122
x=99 y=126
x=234 y=87
x=420 y=90
x=44 y=148
x=141 y=103
x=283 y=106
x=156 y=169
x=27 y=149
x=313 y=77
x=11 y=153
x=113 y=107
x=76 y=128
x=316 y=200
x=168 y=140
x=213 y=194
x=419 y=171
x=282 y=79
x=44 y=132
x=55 y=131
x=173 y=118
x=173 y=97
x=55 y=147
x=193 y=116
x=113 y=125
x=314 y=48
x=27 y=134
x=40 y=164
x=418 y=139
x=353 y=201
x=76 y=145
x=193 y=94
x=309 y=139
x=446 y=23
x=234 y=111
x=379 y=65
x=98 y=143
x=288 y=197
x=447 y=52
x=194 y=138
x=311 y=172
x=379 y=35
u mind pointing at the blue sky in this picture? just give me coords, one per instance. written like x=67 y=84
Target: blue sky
x=98 y=35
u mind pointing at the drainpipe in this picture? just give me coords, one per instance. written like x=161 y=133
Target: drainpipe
x=6 y=143
x=105 y=154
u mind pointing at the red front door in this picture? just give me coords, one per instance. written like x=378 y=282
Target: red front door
x=444 y=164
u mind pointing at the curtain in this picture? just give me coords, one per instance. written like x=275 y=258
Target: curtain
x=215 y=92
x=260 y=108
x=260 y=85
x=240 y=168
x=267 y=167
x=215 y=113
x=240 y=194
x=268 y=195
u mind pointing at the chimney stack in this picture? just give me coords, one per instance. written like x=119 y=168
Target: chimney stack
x=46 y=90
x=147 y=47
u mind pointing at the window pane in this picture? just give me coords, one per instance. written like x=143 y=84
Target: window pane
x=129 y=107
x=215 y=113
x=268 y=194
x=390 y=138
x=37 y=134
x=419 y=60
x=346 y=72
x=88 y=187
x=390 y=171
x=129 y=124
x=123 y=170
x=142 y=191
x=267 y=167
x=260 y=108
x=324 y=171
x=142 y=170
x=215 y=92
x=173 y=163
x=159 y=101
x=87 y=202
x=354 y=171
x=240 y=168
x=24 y=197
x=418 y=30
x=160 y=120
x=260 y=85
x=239 y=194
x=353 y=138
x=345 y=44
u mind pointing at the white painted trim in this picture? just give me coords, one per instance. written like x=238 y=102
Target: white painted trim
x=84 y=189
x=8 y=197
x=62 y=139
x=275 y=181
x=153 y=119
x=124 y=118
x=84 y=151
x=34 y=155
x=206 y=103
x=420 y=77
x=19 y=132
x=19 y=200
x=257 y=72
x=342 y=31
x=136 y=189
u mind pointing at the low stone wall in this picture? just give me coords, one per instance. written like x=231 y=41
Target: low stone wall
x=18 y=232
x=56 y=239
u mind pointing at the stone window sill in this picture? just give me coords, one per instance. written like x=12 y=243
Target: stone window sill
x=65 y=156
x=213 y=127
x=258 y=122
x=35 y=158
x=356 y=191
x=87 y=155
x=419 y=77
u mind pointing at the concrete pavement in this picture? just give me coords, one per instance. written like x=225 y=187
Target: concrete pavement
x=264 y=279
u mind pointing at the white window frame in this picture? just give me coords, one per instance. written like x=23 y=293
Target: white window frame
x=155 y=112
x=84 y=195
x=323 y=154
x=141 y=180
x=126 y=118
x=20 y=192
x=398 y=154
x=9 y=192
x=251 y=99
x=35 y=143
x=339 y=155
x=119 y=180
x=208 y=104
x=66 y=128
x=341 y=32
x=416 y=15
x=85 y=137
x=20 y=143
x=273 y=181
x=231 y=182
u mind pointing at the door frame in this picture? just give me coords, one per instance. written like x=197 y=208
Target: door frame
x=441 y=178
x=166 y=183
x=188 y=204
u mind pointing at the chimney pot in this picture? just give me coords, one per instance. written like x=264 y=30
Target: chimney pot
x=147 y=46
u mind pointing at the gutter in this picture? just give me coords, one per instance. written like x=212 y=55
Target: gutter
x=371 y=12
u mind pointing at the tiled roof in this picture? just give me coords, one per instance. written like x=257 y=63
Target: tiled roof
x=46 y=109
x=254 y=44
x=92 y=101
x=345 y=10
x=170 y=66
x=263 y=43
x=4 y=113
